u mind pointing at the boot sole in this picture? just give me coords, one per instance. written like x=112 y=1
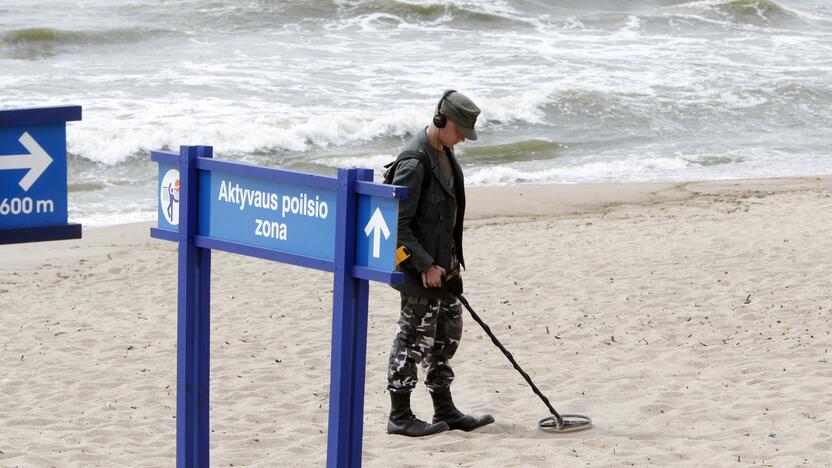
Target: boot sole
x=396 y=431
x=482 y=421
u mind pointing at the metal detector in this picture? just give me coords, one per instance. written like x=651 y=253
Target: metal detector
x=554 y=423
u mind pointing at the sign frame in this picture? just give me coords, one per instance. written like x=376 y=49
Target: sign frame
x=350 y=299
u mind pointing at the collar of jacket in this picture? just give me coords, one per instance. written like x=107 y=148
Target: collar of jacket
x=434 y=161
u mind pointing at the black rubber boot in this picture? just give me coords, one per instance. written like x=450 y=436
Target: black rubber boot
x=403 y=422
x=445 y=411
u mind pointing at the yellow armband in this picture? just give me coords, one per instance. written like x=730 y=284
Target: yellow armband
x=402 y=254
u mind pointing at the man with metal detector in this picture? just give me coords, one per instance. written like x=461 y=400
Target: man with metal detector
x=430 y=255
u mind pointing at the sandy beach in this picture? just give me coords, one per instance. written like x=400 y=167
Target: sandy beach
x=691 y=321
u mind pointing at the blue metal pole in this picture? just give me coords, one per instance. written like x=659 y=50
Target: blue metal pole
x=359 y=352
x=192 y=322
x=203 y=339
x=346 y=397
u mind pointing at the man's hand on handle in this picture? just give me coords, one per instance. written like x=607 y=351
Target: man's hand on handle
x=433 y=276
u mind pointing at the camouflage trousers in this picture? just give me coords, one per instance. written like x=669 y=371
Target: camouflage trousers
x=429 y=332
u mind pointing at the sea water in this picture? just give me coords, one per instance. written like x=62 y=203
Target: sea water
x=571 y=91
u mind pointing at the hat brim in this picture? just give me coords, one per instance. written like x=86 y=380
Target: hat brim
x=468 y=133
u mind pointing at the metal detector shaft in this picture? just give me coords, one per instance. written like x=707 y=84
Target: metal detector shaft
x=510 y=357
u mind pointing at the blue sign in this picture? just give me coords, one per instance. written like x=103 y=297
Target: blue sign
x=375 y=244
x=345 y=224
x=286 y=217
x=33 y=186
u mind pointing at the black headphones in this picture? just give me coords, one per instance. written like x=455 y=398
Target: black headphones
x=439 y=119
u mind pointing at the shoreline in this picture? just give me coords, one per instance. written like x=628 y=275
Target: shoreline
x=690 y=321
x=506 y=201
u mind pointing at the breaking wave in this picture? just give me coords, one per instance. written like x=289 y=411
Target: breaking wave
x=29 y=43
x=763 y=13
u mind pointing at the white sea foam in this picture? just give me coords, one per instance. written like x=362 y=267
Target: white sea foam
x=622 y=169
x=733 y=164
x=111 y=218
x=631 y=31
x=375 y=162
x=111 y=137
x=113 y=131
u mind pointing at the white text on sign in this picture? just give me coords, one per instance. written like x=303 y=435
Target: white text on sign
x=299 y=205
x=16 y=206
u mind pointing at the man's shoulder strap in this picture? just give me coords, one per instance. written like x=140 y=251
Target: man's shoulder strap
x=410 y=154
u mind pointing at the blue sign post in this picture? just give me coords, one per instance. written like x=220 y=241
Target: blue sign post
x=345 y=224
x=33 y=188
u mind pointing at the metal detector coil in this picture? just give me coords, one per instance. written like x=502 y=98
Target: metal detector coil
x=566 y=423
x=555 y=423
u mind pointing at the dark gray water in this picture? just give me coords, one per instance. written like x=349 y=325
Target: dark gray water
x=571 y=91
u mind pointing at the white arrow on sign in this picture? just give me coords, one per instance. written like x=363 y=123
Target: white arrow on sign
x=36 y=161
x=377 y=226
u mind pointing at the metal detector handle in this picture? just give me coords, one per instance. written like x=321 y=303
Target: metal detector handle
x=511 y=359
x=451 y=274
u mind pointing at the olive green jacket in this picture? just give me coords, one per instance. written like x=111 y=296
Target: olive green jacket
x=427 y=224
